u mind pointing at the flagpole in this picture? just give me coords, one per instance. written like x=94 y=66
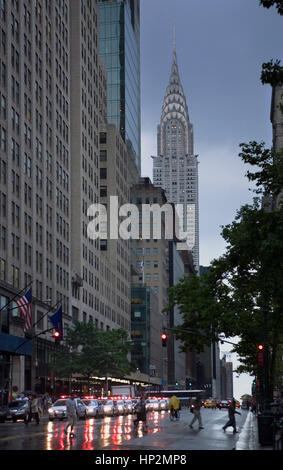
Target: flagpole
x=35 y=336
x=46 y=313
x=15 y=296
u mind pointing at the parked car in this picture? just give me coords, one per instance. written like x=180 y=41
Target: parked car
x=223 y=404
x=17 y=409
x=59 y=410
x=93 y=407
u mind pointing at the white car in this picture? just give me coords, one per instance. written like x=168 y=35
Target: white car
x=163 y=405
x=120 y=407
x=59 y=410
x=108 y=408
x=93 y=407
x=152 y=404
x=129 y=406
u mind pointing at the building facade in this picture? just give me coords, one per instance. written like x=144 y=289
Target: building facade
x=146 y=328
x=115 y=270
x=88 y=112
x=176 y=357
x=35 y=181
x=119 y=48
x=175 y=168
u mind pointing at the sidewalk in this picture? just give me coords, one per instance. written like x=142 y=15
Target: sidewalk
x=248 y=439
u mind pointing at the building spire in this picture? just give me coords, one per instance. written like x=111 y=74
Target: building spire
x=174 y=38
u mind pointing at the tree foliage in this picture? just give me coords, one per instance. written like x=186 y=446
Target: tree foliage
x=272 y=73
x=271 y=3
x=90 y=351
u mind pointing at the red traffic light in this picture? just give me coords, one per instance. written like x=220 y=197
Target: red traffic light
x=164 y=339
x=260 y=347
x=57 y=336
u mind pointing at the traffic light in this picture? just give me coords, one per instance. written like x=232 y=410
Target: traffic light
x=164 y=338
x=57 y=336
x=260 y=355
x=188 y=383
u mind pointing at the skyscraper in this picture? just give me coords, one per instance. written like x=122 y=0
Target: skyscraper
x=175 y=168
x=35 y=186
x=119 y=49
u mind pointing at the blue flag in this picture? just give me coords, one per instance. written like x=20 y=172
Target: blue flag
x=56 y=320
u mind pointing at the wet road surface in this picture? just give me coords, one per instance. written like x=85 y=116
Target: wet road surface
x=117 y=433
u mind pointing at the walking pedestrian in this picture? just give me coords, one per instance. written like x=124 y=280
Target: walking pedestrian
x=253 y=407
x=28 y=414
x=196 y=406
x=33 y=411
x=141 y=414
x=72 y=412
x=174 y=407
x=231 y=413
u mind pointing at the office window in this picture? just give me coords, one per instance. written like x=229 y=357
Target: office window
x=103 y=138
x=103 y=155
x=103 y=173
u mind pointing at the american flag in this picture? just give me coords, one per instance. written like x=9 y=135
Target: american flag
x=24 y=304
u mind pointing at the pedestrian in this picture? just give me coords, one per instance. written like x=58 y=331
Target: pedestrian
x=174 y=407
x=72 y=412
x=231 y=413
x=253 y=407
x=196 y=406
x=35 y=408
x=28 y=414
x=141 y=414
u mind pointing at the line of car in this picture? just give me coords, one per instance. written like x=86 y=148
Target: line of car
x=88 y=407
x=223 y=404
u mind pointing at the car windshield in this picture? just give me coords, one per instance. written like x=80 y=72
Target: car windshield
x=60 y=403
x=17 y=404
x=109 y=402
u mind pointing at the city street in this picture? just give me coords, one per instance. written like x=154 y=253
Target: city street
x=118 y=433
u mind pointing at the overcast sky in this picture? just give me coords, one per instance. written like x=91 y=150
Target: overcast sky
x=221 y=45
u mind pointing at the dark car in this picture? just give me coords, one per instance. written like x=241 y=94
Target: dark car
x=223 y=404
x=17 y=409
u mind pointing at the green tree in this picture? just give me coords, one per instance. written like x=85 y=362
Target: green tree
x=271 y=3
x=90 y=351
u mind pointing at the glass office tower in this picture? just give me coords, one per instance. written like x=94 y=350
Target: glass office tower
x=119 y=49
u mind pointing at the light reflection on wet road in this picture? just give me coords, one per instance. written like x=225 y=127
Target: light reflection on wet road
x=92 y=434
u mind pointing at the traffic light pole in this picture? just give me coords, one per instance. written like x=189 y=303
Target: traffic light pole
x=180 y=330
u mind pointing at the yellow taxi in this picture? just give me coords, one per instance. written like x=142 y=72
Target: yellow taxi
x=209 y=404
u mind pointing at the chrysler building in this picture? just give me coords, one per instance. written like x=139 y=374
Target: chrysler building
x=175 y=168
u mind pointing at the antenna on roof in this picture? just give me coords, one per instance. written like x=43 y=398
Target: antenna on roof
x=174 y=38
